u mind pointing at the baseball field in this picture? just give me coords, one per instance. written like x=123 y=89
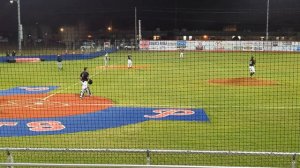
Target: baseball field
x=239 y=113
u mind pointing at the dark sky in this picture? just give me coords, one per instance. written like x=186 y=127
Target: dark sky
x=163 y=14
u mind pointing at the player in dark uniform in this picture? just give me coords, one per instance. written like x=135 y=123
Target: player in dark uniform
x=84 y=78
x=252 y=63
x=7 y=53
x=59 y=62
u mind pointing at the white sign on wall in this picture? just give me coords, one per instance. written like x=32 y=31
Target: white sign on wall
x=220 y=45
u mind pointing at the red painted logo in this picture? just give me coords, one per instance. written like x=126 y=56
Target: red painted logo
x=162 y=113
x=40 y=126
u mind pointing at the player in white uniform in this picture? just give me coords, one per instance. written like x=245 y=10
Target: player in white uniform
x=252 y=63
x=106 y=60
x=181 y=54
x=129 y=62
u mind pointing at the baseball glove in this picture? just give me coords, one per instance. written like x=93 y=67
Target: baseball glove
x=90 y=81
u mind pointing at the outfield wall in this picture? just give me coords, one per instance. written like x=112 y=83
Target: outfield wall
x=53 y=57
x=286 y=46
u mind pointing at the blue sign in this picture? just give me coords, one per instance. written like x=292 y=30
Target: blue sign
x=181 y=44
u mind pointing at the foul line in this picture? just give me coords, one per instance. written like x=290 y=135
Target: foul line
x=53 y=94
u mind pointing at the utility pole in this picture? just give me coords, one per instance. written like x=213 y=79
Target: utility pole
x=20 y=27
x=267 y=24
x=135 y=28
x=140 y=31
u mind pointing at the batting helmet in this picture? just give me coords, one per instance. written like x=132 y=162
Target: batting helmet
x=90 y=81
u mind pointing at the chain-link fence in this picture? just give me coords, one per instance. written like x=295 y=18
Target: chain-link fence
x=161 y=103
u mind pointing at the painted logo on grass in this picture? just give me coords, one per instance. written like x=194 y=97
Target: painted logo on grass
x=110 y=118
x=27 y=90
x=31 y=115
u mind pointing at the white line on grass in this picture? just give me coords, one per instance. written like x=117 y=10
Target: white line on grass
x=60 y=91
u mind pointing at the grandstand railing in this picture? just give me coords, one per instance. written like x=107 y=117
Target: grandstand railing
x=10 y=160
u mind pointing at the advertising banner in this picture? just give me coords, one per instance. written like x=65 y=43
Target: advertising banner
x=285 y=46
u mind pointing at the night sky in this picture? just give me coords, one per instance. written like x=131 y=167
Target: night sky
x=163 y=14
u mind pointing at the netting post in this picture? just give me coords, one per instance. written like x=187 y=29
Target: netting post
x=148 y=158
x=9 y=159
x=294 y=162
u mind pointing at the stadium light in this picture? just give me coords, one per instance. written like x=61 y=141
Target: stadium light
x=20 y=28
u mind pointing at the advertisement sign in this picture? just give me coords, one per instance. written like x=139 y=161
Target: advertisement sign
x=220 y=45
x=181 y=44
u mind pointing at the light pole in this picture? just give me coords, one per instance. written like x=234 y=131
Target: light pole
x=20 y=28
x=135 y=28
x=109 y=28
x=267 y=24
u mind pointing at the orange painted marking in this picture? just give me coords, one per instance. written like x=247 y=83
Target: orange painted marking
x=60 y=105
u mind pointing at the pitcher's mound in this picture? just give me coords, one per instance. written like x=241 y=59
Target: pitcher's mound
x=243 y=82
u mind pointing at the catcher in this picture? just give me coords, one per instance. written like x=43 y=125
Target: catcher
x=85 y=81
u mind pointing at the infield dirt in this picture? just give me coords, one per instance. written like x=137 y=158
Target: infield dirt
x=243 y=82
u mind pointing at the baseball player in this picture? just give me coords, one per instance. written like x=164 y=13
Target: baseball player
x=129 y=62
x=181 y=53
x=59 y=62
x=252 y=63
x=106 y=60
x=84 y=78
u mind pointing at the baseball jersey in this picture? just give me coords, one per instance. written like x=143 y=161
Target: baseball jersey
x=252 y=62
x=84 y=76
x=59 y=59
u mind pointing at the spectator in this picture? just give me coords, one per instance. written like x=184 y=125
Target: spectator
x=7 y=53
x=13 y=53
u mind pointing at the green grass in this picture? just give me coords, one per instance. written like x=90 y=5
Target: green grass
x=242 y=118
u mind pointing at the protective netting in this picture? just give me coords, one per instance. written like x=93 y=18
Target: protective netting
x=167 y=95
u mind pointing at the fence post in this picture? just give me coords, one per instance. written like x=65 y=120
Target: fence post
x=9 y=159
x=294 y=162
x=148 y=158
